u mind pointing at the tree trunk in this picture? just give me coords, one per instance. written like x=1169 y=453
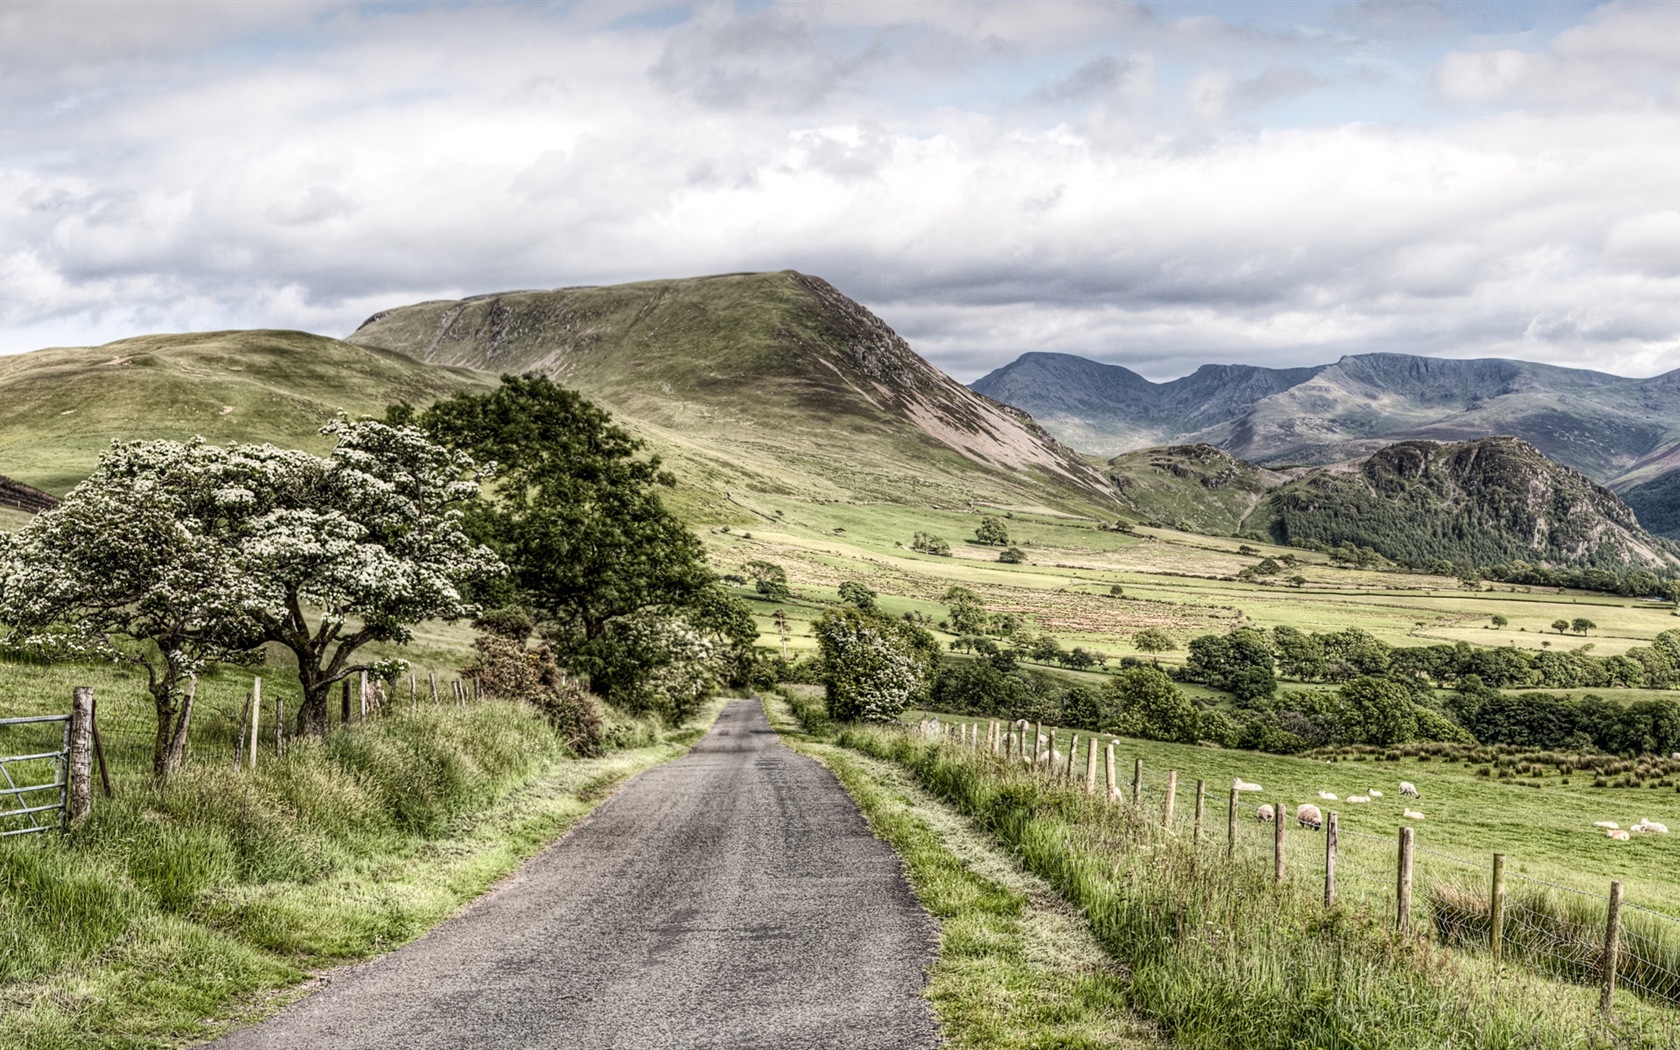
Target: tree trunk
x=177 y=752
x=163 y=695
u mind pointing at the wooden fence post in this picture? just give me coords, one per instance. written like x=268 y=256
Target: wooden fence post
x=1172 y=798
x=1091 y=767
x=344 y=703
x=362 y=695
x=1330 y=859
x=1496 y=910
x=79 y=765
x=1073 y=751
x=433 y=679
x=1038 y=734
x=1137 y=781
x=1231 y=827
x=99 y=746
x=1403 y=883
x=1201 y=805
x=1612 y=947
x=1278 y=825
x=992 y=736
x=256 y=724
x=1108 y=766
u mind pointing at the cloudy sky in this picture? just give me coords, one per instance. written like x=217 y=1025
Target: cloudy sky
x=1155 y=184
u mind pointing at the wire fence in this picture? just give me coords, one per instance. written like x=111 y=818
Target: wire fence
x=1588 y=936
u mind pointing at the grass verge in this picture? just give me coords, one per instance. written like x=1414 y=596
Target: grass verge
x=1017 y=968
x=174 y=916
x=1219 y=958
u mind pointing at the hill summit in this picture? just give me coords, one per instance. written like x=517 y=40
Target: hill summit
x=773 y=382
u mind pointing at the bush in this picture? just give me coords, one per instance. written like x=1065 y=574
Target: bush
x=873 y=667
x=505 y=668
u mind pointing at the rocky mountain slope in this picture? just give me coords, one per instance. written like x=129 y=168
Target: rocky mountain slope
x=768 y=382
x=1195 y=488
x=1485 y=502
x=1617 y=431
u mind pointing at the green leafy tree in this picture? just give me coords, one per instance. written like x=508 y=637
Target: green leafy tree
x=1376 y=711
x=769 y=580
x=1581 y=625
x=1012 y=556
x=928 y=543
x=873 y=667
x=578 y=518
x=1241 y=663
x=992 y=531
x=856 y=594
x=1500 y=621
x=1153 y=640
x=1560 y=626
x=968 y=612
x=1142 y=701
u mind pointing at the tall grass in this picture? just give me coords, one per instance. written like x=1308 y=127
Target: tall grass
x=1222 y=959
x=212 y=834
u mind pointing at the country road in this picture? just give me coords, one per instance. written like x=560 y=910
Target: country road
x=732 y=898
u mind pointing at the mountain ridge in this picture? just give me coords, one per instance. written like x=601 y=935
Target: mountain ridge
x=1617 y=430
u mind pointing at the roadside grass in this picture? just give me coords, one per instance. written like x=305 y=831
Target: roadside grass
x=1221 y=958
x=1545 y=827
x=1017 y=968
x=173 y=915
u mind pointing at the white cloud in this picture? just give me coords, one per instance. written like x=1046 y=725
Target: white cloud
x=993 y=178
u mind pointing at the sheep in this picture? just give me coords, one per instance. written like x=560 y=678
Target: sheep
x=1411 y=814
x=1675 y=756
x=1050 y=757
x=1619 y=836
x=1308 y=816
x=1239 y=784
x=1648 y=826
x=1328 y=796
x=1374 y=793
x=1358 y=798
x=1609 y=825
x=1264 y=814
x=1408 y=789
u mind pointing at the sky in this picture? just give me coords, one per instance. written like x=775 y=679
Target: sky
x=1158 y=185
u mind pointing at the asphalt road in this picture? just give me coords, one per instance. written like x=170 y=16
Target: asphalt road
x=732 y=898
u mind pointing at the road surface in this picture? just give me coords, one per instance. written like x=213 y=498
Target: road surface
x=732 y=898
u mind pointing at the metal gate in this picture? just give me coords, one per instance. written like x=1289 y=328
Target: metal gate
x=25 y=818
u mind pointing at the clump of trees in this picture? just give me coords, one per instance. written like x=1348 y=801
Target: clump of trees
x=172 y=556
x=992 y=531
x=928 y=543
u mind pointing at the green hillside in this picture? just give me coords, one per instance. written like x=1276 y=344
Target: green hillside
x=63 y=406
x=772 y=384
x=1194 y=488
x=1485 y=502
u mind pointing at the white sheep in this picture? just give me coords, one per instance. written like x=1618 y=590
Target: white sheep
x=1308 y=816
x=1374 y=793
x=1608 y=825
x=1356 y=799
x=1328 y=796
x=1408 y=789
x=1619 y=836
x=1264 y=814
x=1675 y=756
x=1412 y=814
x=1239 y=784
x=1651 y=827
x=1050 y=756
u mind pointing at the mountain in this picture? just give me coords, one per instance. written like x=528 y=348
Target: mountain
x=1484 y=502
x=1194 y=488
x=64 y=406
x=1617 y=431
x=761 y=382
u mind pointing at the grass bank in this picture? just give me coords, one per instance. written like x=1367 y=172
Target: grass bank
x=1220 y=958
x=174 y=915
x=1017 y=967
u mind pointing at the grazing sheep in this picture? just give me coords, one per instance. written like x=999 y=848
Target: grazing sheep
x=1619 y=836
x=1675 y=756
x=1358 y=798
x=1412 y=814
x=1328 y=796
x=1264 y=814
x=1374 y=793
x=1650 y=827
x=1308 y=816
x=1239 y=784
x=1607 y=824
x=1408 y=789
x=1049 y=756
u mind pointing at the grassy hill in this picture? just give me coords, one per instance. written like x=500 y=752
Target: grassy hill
x=1485 y=502
x=765 y=384
x=1196 y=488
x=64 y=406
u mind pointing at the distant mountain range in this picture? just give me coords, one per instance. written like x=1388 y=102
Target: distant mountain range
x=1620 y=432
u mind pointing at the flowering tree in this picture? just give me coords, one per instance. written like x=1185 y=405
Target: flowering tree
x=191 y=551
x=131 y=567
x=873 y=667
